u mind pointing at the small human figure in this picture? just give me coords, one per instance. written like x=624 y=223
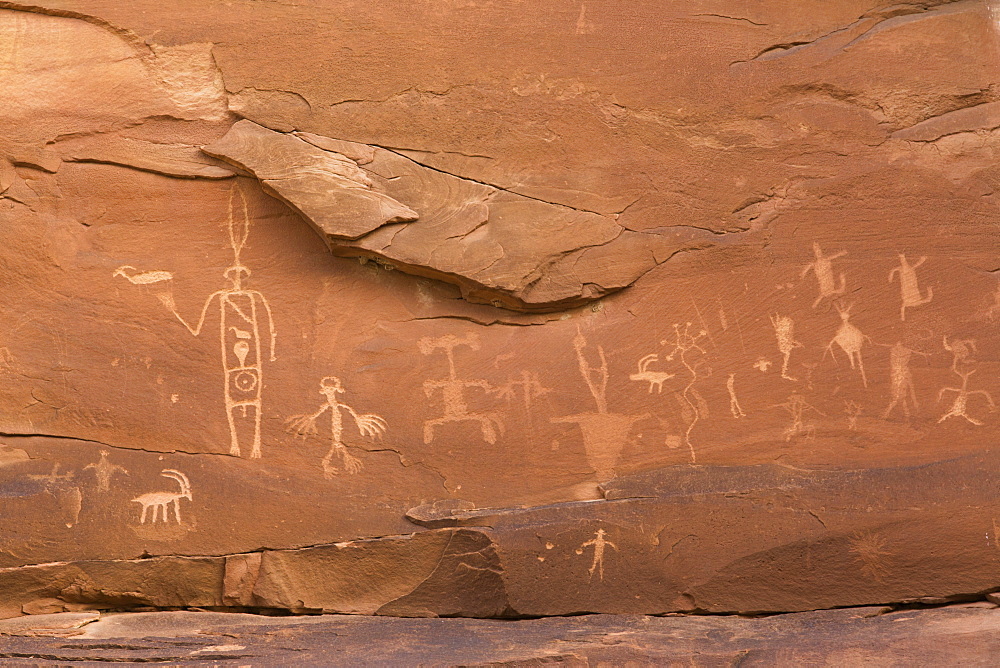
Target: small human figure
x=961 y=351
x=901 y=380
x=796 y=406
x=734 y=403
x=104 y=470
x=368 y=424
x=453 y=390
x=909 y=288
x=822 y=267
x=599 y=542
x=784 y=330
x=961 y=405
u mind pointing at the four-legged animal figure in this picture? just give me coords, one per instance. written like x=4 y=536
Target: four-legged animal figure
x=160 y=501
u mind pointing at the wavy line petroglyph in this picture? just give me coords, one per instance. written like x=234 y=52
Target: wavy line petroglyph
x=784 y=330
x=822 y=267
x=104 y=471
x=686 y=344
x=734 y=403
x=909 y=288
x=368 y=424
x=239 y=331
x=160 y=502
x=599 y=543
x=850 y=339
x=453 y=390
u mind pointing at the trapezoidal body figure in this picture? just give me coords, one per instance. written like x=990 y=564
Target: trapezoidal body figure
x=453 y=388
x=160 y=502
x=822 y=267
x=851 y=340
x=908 y=286
x=241 y=315
x=368 y=424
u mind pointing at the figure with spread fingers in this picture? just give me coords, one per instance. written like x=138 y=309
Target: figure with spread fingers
x=368 y=425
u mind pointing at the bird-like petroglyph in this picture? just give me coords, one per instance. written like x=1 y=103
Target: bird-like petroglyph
x=240 y=315
x=367 y=424
x=104 y=471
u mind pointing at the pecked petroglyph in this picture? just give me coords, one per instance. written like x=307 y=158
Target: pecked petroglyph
x=654 y=378
x=784 y=330
x=909 y=288
x=904 y=393
x=822 y=267
x=960 y=406
x=851 y=340
x=796 y=407
x=104 y=471
x=599 y=543
x=161 y=502
x=240 y=312
x=368 y=425
x=734 y=403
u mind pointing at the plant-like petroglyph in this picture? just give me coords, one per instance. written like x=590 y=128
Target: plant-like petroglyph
x=909 y=288
x=784 y=330
x=852 y=410
x=60 y=487
x=850 y=339
x=904 y=393
x=962 y=351
x=691 y=355
x=654 y=378
x=160 y=501
x=453 y=389
x=822 y=267
x=240 y=313
x=870 y=551
x=734 y=403
x=960 y=406
x=599 y=543
x=796 y=407
x=305 y=425
x=104 y=471
x=604 y=434
x=528 y=385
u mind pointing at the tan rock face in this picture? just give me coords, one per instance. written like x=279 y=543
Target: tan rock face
x=629 y=309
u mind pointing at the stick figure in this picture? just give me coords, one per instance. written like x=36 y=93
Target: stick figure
x=104 y=470
x=239 y=331
x=961 y=404
x=734 y=403
x=599 y=543
x=822 y=267
x=796 y=406
x=909 y=289
x=784 y=330
x=850 y=339
x=453 y=390
x=368 y=424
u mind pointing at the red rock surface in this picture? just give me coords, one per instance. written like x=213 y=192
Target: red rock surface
x=696 y=306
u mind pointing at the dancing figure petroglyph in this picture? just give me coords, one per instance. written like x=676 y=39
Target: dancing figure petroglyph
x=822 y=267
x=909 y=288
x=239 y=332
x=453 y=390
x=305 y=425
x=160 y=501
x=961 y=405
x=598 y=542
x=104 y=471
x=901 y=380
x=796 y=406
x=784 y=330
x=654 y=378
x=734 y=403
x=961 y=351
x=850 y=339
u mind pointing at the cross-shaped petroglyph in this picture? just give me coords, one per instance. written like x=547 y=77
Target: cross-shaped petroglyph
x=850 y=339
x=599 y=543
x=822 y=267
x=909 y=288
x=453 y=389
x=239 y=331
x=305 y=425
x=796 y=407
x=104 y=471
x=784 y=330
x=961 y=404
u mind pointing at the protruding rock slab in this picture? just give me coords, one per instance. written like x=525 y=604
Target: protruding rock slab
x=500 y=247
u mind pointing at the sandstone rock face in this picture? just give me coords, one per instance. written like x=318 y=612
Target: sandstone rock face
x=631 y=309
